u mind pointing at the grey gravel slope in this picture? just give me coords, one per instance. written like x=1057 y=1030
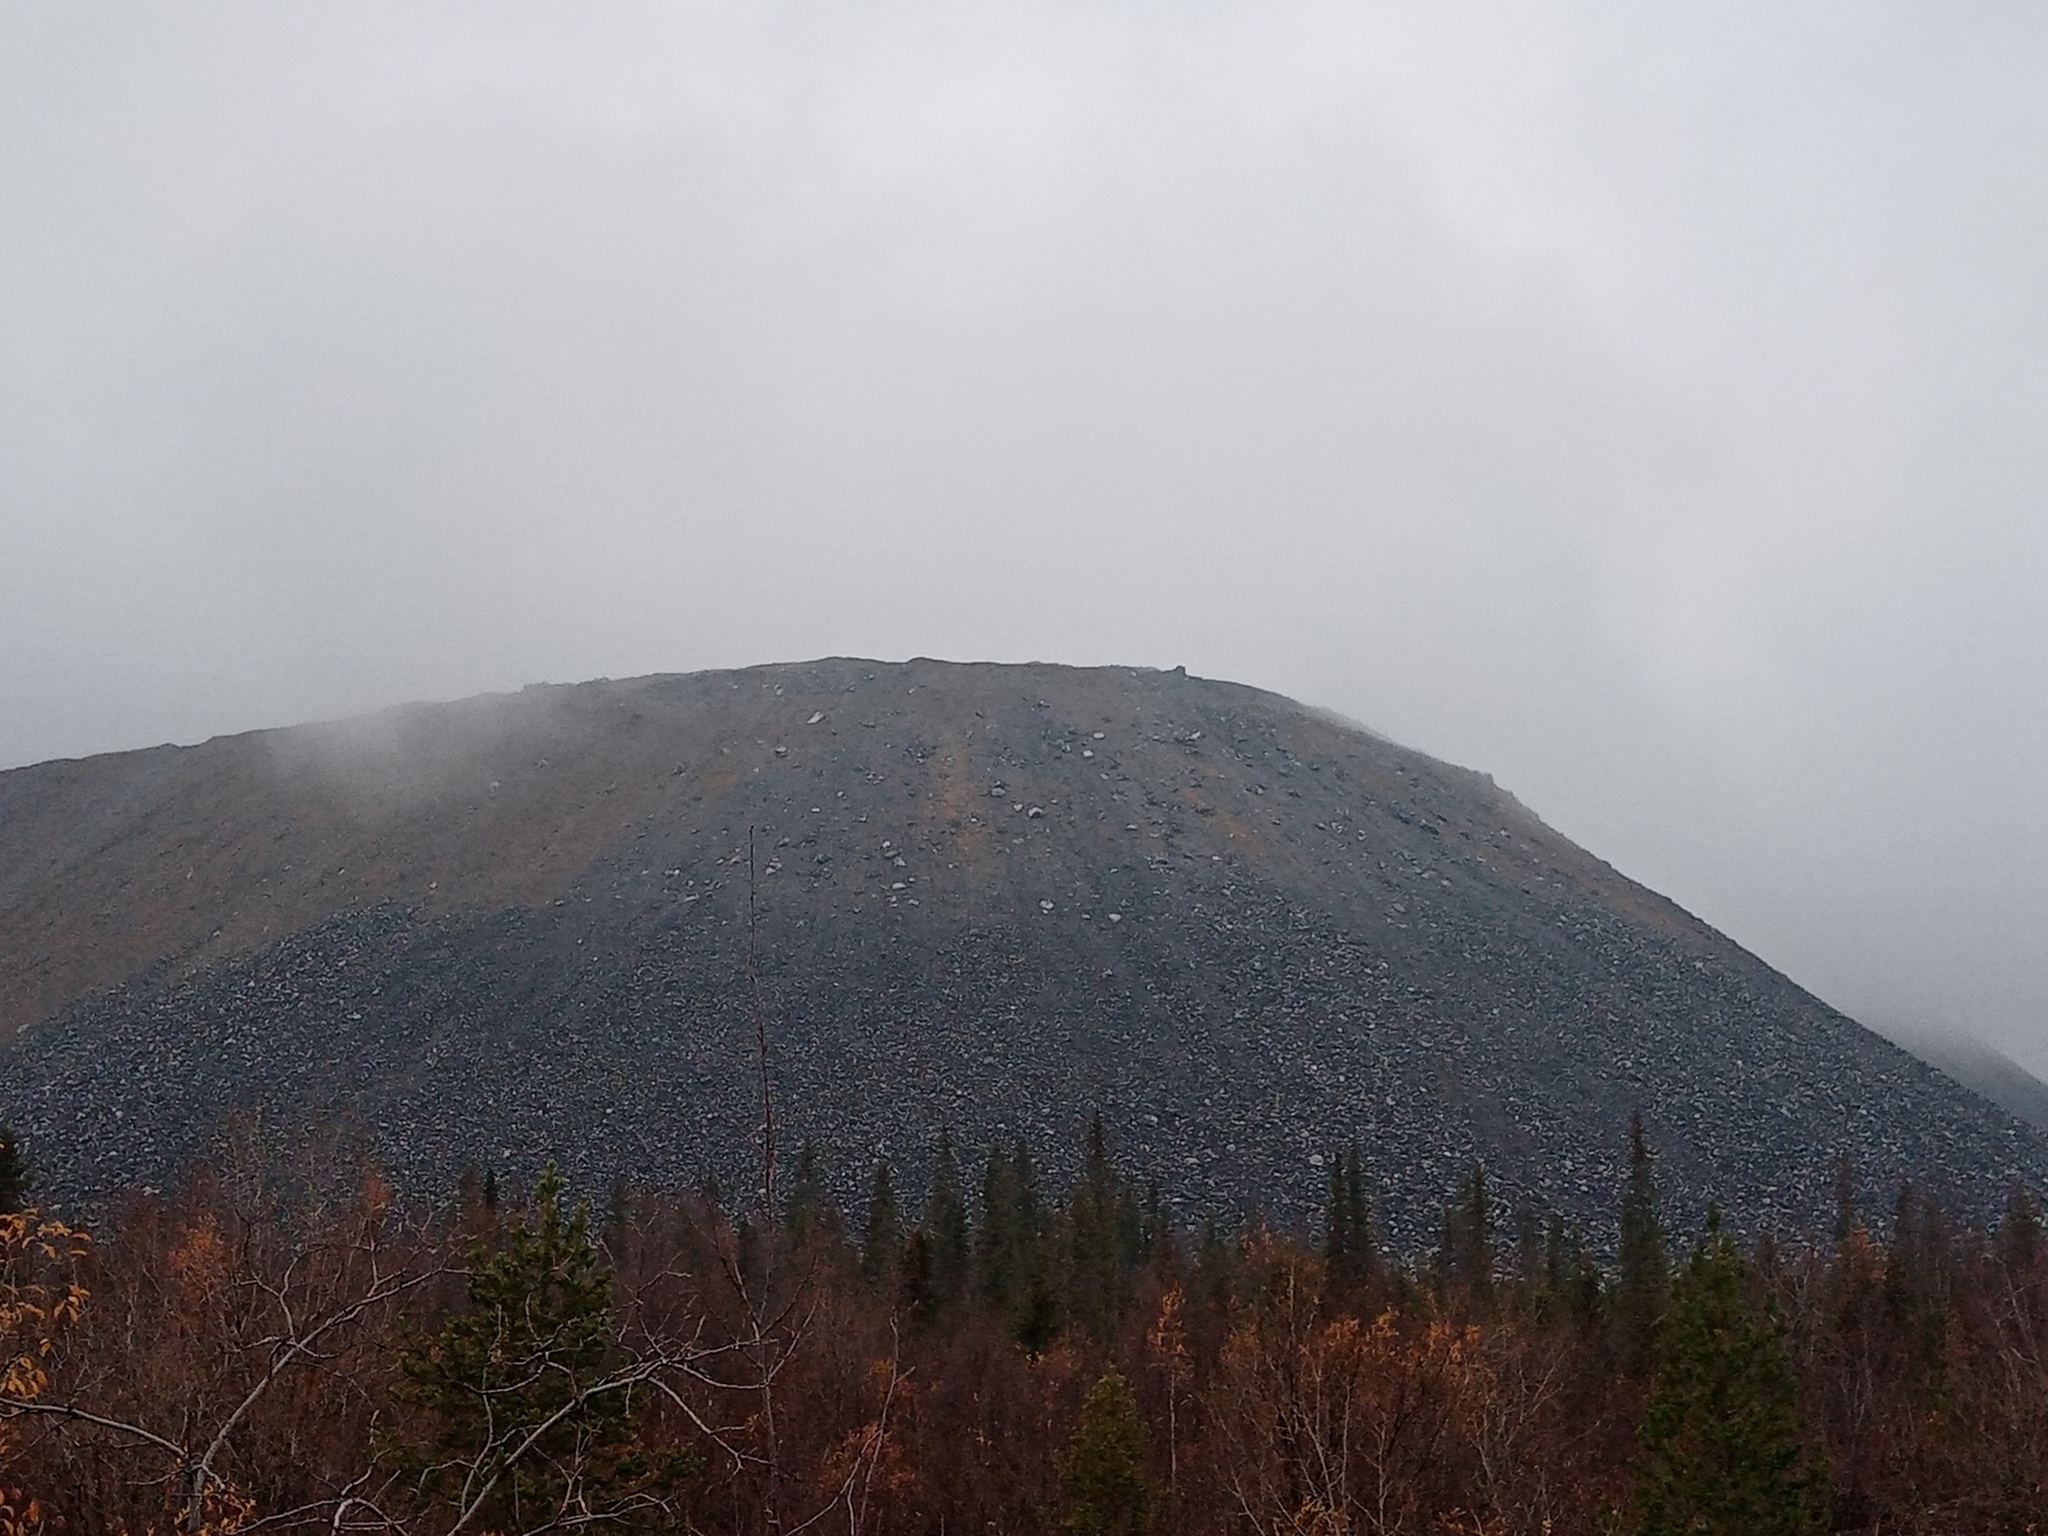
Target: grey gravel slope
x=995 y=897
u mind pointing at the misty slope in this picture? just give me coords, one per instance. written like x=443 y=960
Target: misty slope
x=993 y=896
x=1983 y=1070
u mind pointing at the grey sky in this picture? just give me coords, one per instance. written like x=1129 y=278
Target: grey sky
x=1647 y=404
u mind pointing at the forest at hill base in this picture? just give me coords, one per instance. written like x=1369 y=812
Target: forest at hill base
x=248 y=1355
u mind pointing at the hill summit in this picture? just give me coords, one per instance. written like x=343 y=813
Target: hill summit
x=996 y=898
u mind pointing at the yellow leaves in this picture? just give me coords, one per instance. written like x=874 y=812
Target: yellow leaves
x=1168 y=1336
x=867 y=1461
x=1340 y=1424
x=1315 y=1518
x=200 y=1261
x=1454 y=1343
x=19 y=1520
x=225 y=1510
x=889 y=1382
x=25 y=1378
x=39 y=1296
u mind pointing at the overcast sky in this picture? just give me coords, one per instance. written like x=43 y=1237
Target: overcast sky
x=1647 y=404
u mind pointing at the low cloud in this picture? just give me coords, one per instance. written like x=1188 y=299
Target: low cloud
x=1644 y=409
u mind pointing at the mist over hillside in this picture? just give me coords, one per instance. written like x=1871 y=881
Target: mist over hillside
x=1981 y=1068
x=998 y=898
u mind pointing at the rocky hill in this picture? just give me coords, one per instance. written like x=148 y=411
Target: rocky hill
x=1981 y=1068
x=997 y=897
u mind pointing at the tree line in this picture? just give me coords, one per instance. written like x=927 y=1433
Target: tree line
x=240 y=1356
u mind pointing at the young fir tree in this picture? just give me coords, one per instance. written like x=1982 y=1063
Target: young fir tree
x=1030 y=1222
x=1016 y=1264
x=1913 y=1293
x=1905 y=1273
x=2019 y=1234
x=917 y=1295
x=1348 y=1248
x=1337 y=1239
x=996 y=1256
x=1720 y=1444
x=1529 y=1266
x=1465 y=1259
x=618 y=1215
x=883 y=1248
x=945 y=1228
x=1103 y=1473
x=1155 y=1236
x=1847 y=1219
x=2019 y=1250
x=1103 y=1239
x=510 y=1382
x=1128 y=1232
x=1035 y=1319
x=471 y=1219
x=1855 y=1278
x=1571 y=1280
x=1215 y=1277
x=13 y=1174
x=1362 y=1259
x=1018 y=1232
x=807 y=1210
x=1644 y=1281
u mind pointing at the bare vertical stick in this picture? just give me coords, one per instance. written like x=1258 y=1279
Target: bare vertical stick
x=761 y=1046
x=771 y=1511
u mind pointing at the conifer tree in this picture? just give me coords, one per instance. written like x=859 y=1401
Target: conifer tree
x=1103 y=1472
x=916 y=1292
x=1016 y=1264
x=883 y=1248
x=2019 y=1249
x=1465 y=1258
x=1643 y=1284
x=13 y=1174
x=1155 y=1242
x=1337 y=1226
x=1034 y=1313
x=1214 y=1273
x=807 y=1209
x=945 y=1227
x=524 y=1357
x=997 y=1258
x=1016 y=1259
x=1362 y=1257
x=2019 y=1233
x=1102 y=1232
x=1855 y=1279
x=1127 y=1231
x=1720 y=1444
x=1029 y=1219
x=1913 y=1290
x=1846 y=1218
x=1529 y=1266
x=1571 y=1280
x=617 y=1216
x=1556 y=1256
x=1904 y=1280
x=1035 y=1318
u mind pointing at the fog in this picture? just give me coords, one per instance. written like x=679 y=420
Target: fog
x=1648 y=405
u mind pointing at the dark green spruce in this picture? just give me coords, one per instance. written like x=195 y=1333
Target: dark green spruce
x=526 y=1415
x=1643 y=1284
x=1103 y=1472
x=1721 y=1446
